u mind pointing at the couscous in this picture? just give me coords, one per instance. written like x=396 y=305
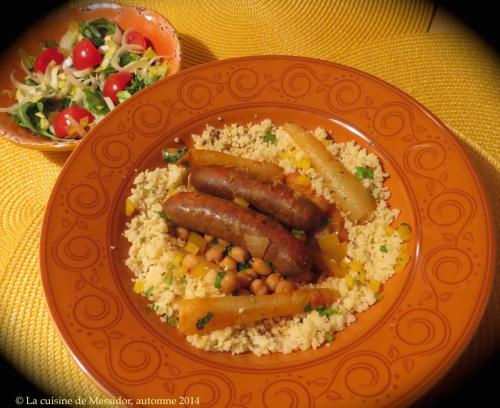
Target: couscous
x=303 y=257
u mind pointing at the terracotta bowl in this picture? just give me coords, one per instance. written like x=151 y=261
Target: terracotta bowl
x=154 y=26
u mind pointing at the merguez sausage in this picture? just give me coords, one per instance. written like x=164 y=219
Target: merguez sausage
x=270 y=197
x=229 y=221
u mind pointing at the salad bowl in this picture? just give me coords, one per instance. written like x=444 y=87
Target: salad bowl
x=43 y=38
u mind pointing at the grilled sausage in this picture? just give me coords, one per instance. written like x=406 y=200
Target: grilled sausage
x=270 y=197
x=227 y=220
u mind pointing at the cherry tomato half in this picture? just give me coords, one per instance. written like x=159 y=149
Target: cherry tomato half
x=135 y=37
x=43 y=59
x=77 y=113
x=116 y=83
x=85 y=55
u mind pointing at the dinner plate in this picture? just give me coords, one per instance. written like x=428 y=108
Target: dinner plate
x=393 y=352
x=154 y=26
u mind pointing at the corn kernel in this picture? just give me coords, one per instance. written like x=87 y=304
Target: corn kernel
x=129 y=207
x=139 y=286
x=349 y=281
x=374 y=285
x=241 y=201
x=149 y=53
x=191 y=248
x=356 y=266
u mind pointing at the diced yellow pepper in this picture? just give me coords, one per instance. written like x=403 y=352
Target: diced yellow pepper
x=182 y=270
x=241 y=201
x=328 y=242
x=196 y=240
x=356 y=266
x=303 y=180
x=129 y=207
x=191 y=248
x=405 y=233
x=176 y=260
x=202 y=268
x=389 y=230
x=350 y=281
x=287 y=155
x=139 y=286
x=402 y=260
x=374 y=285
x=304 y=164
x=172 y=192
x=335 y=269
x=339 y=252
x=362 y=277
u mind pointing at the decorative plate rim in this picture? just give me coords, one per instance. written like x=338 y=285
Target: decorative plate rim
x=444 y=365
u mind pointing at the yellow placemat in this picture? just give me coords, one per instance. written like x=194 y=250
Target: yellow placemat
x=454 y=75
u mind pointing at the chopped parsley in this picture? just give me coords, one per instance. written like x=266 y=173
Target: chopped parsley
x=183 y=279
x=200 y=324
x=252 y=298
x=148 y=292
x=153 y=306
x=218 y=279
x=326 y=311
x=163 y=216
x=171 y=320
x=363 y=173
x=324 y=222
x=269 y=138
x=136 y=85
x=383 y=248
x=30 y=81
x=329 y=337
x=169 y=279
x=227 y=250
x=214 y=241
x=297 y=233
x=244 y=265
x=171 y=158
x=308 y=308
x=378 y=297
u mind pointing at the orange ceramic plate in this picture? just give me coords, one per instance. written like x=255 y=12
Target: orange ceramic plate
x=390 y=356
x=153 y=25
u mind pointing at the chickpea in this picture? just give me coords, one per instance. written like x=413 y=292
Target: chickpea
x=210 y=277
x=230 y=282
x=284 y=286
x=182 y=233
x=214 y=254
x=272 y=280
x=244 y=279
x=208 y=238
x=239 y=254
x=228 y=264
x=251 y=272
x=261 y=267
x=190 y=261
x=258 y=287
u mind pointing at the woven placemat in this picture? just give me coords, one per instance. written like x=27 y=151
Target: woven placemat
x=454 y=75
